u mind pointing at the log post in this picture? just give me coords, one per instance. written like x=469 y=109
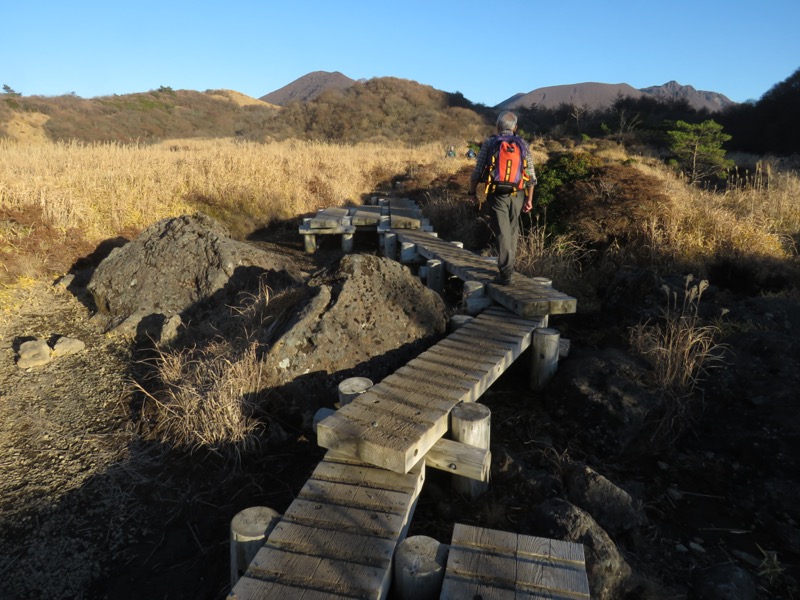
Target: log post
x=310 y=243
x=351 y=388
x=457 y=321
x=347 y=243
x=473 y=295
x=470 y=423
x=419 y=566
x=436 y=276
x=250 y=528
x=544 y=356
x=390 y=245
x=408 y=253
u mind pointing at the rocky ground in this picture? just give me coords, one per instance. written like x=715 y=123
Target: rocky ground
x=89 y=509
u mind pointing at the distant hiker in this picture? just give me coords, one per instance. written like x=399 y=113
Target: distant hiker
x=505 y=167
x=451 y=152
x=471 y=153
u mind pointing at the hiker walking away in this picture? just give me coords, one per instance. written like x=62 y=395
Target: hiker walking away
x=505 y=167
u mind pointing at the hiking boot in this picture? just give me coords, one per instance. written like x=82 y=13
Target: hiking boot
x=504 y=279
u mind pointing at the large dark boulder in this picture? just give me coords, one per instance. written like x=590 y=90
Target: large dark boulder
x=373 y=318
x=608 y=571
x=173 y=266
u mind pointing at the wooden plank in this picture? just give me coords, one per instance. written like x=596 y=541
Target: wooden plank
x=366 y=216
x=328 y=217
x=248 y=588
x=382 y=439
x=334 y=230
x=503 y=562
x=339 y=545
x=322 y=574
x=364 y=475
x=460 y=459
x=354 y=496
x=542 y=566
x=344 y=518
x=387 y=448
x=413 y=396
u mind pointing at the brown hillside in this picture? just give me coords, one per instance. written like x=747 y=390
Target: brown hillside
x=150 y=116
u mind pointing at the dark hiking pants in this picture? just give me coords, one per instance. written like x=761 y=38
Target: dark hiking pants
x=504 y=211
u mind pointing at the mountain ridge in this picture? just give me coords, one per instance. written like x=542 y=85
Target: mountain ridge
x=592 y=95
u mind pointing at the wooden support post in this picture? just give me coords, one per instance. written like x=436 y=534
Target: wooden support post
x=310 y=243
x=250 y=528
x=408 y=253
x=436 y=275
x=422 y=273
x=544 y=356
x=419 y=566
x=470 y=423
x=347 y=243
x=473 y=295
x=351 y=388
x=457 y=321
x=390 y=245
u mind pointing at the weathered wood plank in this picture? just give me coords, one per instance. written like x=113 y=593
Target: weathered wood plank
x=366 y=216
x=344 y=518
x=354 y=496
x=322 y=574
x=339 y=545
x=382 y=439
x=503 y=562
x=248 y=588
x=328 y=217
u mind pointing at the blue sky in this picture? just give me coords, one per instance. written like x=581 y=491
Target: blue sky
x=484 y=50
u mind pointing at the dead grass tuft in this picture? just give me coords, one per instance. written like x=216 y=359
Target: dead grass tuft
x=206 y=400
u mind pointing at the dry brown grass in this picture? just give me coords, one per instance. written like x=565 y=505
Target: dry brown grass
x=206 y=399
x=697 y=226
x=96 y=191
x=559 y=257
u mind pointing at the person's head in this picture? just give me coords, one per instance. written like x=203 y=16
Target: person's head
x=506 y=121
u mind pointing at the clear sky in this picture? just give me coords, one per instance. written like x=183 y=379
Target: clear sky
x=487 y=50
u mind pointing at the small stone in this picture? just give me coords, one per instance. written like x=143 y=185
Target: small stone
x=34 y=353
x=66 y=346
x=681 y=548
x=674 y=494
x=695 y=547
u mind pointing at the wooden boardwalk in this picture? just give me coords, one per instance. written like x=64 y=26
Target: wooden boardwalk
x=337 y=538
x=396 y=422
x=498 y=565
x=525 y=297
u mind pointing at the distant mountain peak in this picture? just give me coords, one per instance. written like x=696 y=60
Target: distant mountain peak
x=602 y=95
x=308 y=87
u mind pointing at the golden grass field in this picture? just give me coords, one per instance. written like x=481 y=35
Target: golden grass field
x=60 y=199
